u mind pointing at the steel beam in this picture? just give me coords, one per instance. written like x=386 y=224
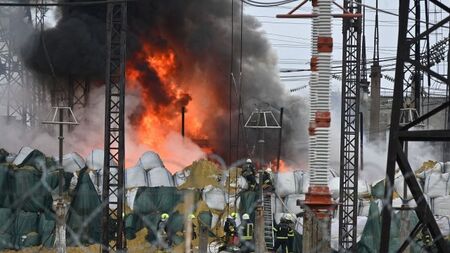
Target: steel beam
x=397 y=137
x=348 y=194
x=113 y=239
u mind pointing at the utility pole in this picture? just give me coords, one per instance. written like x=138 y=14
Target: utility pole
x=113 y=194
x=61 y=205
x=375 y=84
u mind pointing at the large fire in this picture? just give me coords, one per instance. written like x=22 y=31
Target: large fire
x=162 y=103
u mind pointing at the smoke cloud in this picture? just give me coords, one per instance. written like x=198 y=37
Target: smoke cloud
x=199 y=33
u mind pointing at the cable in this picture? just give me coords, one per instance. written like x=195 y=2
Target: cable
x=391 y=13
x=273 y=4
x=88 y=3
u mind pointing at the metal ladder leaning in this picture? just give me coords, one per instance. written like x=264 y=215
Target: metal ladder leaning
x=268 y=220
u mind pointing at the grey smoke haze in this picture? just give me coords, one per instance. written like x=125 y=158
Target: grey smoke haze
x=199 y=32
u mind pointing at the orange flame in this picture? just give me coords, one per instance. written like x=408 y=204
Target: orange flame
x=157 y=122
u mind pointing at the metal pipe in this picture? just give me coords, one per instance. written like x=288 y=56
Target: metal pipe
x=183 y=112
x=280 y=135
x=361 y=143
x=60 y=167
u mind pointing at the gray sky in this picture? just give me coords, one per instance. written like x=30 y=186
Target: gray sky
x=290 y=38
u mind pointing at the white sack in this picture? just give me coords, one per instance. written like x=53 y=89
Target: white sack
x=94 y=160
x=361 y=223
x=135 y=177
x=150 y=160
x=436 y=184
x=23 y=154
x=291 y=203
x=444 y=224
x=159 y=176
x=214 y=198
x=399 y=182
x=334 y=185
x=131 y=196
x=441 y=206
x=72 y=162
x=291 y=182
x=180 y=177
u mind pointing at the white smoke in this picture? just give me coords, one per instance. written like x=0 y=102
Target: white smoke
x=89 y=135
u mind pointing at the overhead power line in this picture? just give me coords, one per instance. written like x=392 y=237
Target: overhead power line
x=51 y=4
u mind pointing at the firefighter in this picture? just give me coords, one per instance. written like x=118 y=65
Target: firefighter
x=230 y=230
x=267 y=179
x=192 y=218
x=248 y=172
x=246 y=229
x=282 y=232
x=162 y=234
x=291 y=223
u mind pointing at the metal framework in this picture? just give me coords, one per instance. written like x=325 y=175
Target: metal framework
x=412 y=87
x=348 y=194
x=12 y=78
x=399 y=135
x=78 y=93
x=113 y=196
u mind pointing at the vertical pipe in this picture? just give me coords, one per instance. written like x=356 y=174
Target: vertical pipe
x=361 y=143
x=61 y=139
x=280 y=135
x=183 y=112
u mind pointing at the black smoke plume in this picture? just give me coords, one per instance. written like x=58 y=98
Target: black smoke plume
x=199 y=31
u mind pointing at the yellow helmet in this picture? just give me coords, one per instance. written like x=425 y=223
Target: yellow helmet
x=233 y=215
x=191 y=216
x=164 y=216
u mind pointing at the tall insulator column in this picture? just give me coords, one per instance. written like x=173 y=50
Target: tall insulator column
x=318 y=203
x=313 y=90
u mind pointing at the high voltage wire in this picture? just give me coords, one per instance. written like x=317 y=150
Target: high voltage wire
x=51 y=4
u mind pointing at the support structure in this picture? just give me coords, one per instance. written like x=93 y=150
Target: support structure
x=375 y=84
x=113 y=194
x=348 y=194
x=399 y=135
x=78 y=93
x=12 y=79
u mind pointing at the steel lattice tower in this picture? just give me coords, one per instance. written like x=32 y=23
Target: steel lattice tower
x=400 y=135
x=114 y=157
x=12 y=78
x=351 y=78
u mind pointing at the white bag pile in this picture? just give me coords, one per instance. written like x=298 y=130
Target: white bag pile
x=214 y=198
x=291 y=203
x=135 y=177
x=436 y=184
x=156 y=174
x=291 y=182
x=334 y=185
x=441 y=206
x=72 y=162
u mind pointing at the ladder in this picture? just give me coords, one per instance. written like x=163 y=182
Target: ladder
x=268 y=220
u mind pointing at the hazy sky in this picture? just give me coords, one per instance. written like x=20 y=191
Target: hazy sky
x=290 y=38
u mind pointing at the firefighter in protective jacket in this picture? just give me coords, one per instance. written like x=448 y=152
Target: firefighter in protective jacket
x=246 y=229
x=230 y=229
x=282 y=234
x=248 y=172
